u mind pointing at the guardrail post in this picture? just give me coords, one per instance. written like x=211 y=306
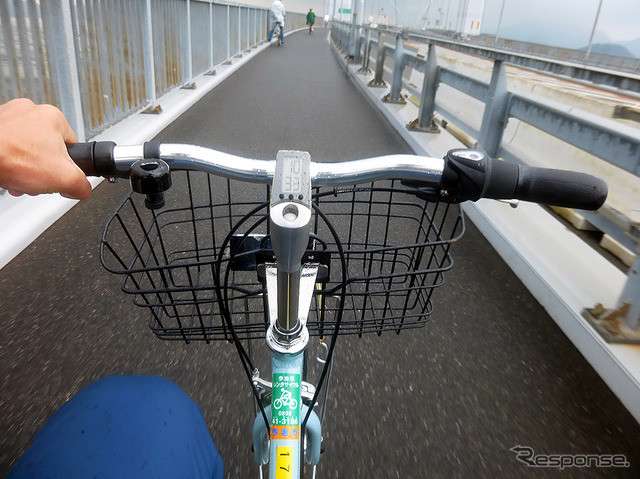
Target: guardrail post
x=335 y=34
x=395 y=95
x=430 y=83
x=256 y=30
x=187 y=67
x=347 y=37
x=631 y=295
x=378 y=79
x=353 y=32
x=239 y=39
x=248 y=29
x=622 y=324
x=228 y=61
x=367 y=52
x=357 y=57
x=211 y=43
x=496 y=109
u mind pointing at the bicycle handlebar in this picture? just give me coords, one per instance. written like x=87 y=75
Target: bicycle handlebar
x=473 y=175
x=460 y=176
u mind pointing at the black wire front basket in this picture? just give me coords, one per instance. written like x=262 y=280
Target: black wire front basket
x=195 y=264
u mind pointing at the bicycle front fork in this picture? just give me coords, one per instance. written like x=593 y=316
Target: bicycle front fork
x=281 y=444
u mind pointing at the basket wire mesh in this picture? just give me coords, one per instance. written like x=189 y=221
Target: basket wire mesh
x=198 y=256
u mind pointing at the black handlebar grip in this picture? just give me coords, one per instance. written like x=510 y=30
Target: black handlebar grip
x=501 y=181
x=82 y=155
x=472 y=174
x=561 y=188
x=94 y=158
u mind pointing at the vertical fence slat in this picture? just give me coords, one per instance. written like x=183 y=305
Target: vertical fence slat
x=228 y=31
x=40 y=67
x=130 y=55
x=58 y=30
x=221 y=36
x=186 y=42
x=211 y=43
x=148 y=52
x=22 y=30
x=104 y=60
x=81 y=15
x=139 y=49
x=201 y=38
x=13 y=85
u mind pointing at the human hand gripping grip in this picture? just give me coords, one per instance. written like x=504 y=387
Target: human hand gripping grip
x=149 y=175
x=94 y=158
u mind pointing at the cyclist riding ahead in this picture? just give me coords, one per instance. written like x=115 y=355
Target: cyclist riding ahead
x=278 y=14
x=311 y=20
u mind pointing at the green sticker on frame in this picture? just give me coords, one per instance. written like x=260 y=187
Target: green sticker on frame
x=286 y=400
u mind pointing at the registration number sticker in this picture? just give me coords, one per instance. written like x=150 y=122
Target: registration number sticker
x=284 y=463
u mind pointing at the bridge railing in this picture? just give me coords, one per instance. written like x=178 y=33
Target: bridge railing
x=100 y=61
x=606 y=139
x=593 y=58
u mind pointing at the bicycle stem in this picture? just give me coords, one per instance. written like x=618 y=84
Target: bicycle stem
x=290 y=225
x=288 y=321
x=290 y=286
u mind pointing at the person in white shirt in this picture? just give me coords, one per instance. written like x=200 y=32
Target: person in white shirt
x=278 y=13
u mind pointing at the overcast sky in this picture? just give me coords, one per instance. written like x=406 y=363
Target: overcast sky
x=301 y=6
x=619 y=19
x=564 y=21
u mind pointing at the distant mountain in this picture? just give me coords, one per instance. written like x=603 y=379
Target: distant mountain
x=610 y=49
x=571 y=36
x=554 y=34
x=633 y=46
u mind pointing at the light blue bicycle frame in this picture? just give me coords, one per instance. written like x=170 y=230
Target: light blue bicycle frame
x=290 y=288
x=284 y=450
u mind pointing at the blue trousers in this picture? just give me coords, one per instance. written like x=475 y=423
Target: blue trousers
x=281 y=32
x=124 y=427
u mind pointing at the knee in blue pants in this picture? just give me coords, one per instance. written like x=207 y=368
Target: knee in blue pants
x=124 y=426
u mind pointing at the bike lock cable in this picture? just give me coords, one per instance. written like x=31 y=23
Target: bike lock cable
x=343 y=295
x=247 y=364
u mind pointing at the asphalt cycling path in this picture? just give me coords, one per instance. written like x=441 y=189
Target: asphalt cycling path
x=490 y=371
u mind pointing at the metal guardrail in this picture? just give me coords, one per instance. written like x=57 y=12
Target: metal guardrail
x=100 y=61
x=567 y=67
x=601 y=137
x=593 y=58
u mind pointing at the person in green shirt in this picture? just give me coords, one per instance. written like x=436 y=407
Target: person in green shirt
x=311 y=19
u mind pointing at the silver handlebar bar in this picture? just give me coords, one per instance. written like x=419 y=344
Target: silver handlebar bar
x=196 y=158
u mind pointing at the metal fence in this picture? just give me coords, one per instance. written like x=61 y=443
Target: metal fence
x=101 y=60
x=604 y=138
x=594 y=59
